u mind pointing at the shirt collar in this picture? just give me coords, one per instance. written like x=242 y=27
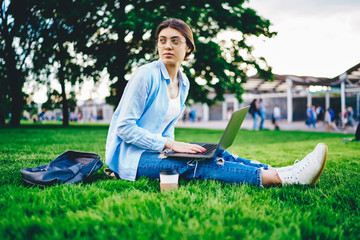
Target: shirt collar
x=165 y=73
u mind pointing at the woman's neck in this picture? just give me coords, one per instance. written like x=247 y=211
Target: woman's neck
x=172 y=71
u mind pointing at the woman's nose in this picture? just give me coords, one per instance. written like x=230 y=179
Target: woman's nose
x=168 y=44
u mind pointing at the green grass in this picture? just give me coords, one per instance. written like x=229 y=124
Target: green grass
x=101 y=208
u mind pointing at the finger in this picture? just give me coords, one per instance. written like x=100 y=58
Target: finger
x=194 y=148
x=200 y=148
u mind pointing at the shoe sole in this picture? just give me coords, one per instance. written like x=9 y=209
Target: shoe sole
x=321 y=170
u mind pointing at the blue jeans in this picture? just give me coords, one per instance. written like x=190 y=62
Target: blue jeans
x=311 y=121
x=262 y=116
x=226 y=168
x=255 y=116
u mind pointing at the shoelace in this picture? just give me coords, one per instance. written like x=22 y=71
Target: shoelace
x=302 y=164
x=297 y=161
x=292 y=166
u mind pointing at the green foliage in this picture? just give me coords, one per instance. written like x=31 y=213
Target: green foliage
x=75 y=40
x=127 y=40
x=55 y=100
x=101 y=208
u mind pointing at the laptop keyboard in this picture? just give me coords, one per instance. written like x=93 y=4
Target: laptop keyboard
x=209 y=148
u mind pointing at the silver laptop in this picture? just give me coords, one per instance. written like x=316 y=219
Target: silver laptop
x=214 y=149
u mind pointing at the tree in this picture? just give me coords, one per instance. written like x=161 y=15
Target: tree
x=62 y=18
x=16 y=42
x=125 y=38
x=43 y=31
x=119 y=36
x=55 y=101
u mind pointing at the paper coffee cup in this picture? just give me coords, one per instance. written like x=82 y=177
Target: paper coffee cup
x=169 y=179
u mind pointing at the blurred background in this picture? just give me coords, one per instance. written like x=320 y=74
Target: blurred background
x=70 y=60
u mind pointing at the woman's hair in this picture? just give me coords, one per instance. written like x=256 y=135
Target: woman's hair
x=183 y=28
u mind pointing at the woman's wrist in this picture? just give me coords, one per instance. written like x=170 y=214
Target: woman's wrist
x=169 y=144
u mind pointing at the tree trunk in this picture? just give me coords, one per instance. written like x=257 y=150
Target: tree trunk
x=3 y=102
x=2 y=119
x=16 y=84
x=16 y=81
x=61 y=76
x=120 y=64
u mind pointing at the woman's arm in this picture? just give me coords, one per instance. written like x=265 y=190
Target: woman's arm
x=133 y=104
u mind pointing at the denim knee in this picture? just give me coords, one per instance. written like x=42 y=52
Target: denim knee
x=235 y=158
x=231 y=172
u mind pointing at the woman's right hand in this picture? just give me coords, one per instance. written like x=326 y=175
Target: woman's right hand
x=184 y=147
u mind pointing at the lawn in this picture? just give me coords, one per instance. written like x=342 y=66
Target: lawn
x=101 y=208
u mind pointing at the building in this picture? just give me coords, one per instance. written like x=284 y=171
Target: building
x=91 y=111
x=293 y=94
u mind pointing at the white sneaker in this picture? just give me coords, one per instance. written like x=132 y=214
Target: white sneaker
x=306 y=171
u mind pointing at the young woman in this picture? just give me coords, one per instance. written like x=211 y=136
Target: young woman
x=142 y=126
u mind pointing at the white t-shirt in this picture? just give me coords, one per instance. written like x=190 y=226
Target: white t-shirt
x=173 y=112
x=277 y=112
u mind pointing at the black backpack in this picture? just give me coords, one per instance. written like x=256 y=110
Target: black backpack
x=69 y=167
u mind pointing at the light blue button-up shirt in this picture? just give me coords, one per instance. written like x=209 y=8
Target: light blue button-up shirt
x=137 y=119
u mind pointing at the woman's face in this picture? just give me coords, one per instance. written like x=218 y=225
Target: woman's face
x=171 y=46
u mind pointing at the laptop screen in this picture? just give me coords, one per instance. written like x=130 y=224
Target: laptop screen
x=232 y=129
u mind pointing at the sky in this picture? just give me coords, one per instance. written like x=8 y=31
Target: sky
x=319 y=38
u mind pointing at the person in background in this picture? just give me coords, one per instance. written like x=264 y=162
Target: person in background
x=276 y=115
x=319 y=114
x=185 y=116
x=339 y=121
x=192 y=116
x=41 y=115
x=311 y=116
x=254 y=111
x=350 y=118
x=262 y=112
x=332 y=114
x=329 y=124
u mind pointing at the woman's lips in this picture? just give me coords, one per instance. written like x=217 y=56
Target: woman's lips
x=168 y=54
